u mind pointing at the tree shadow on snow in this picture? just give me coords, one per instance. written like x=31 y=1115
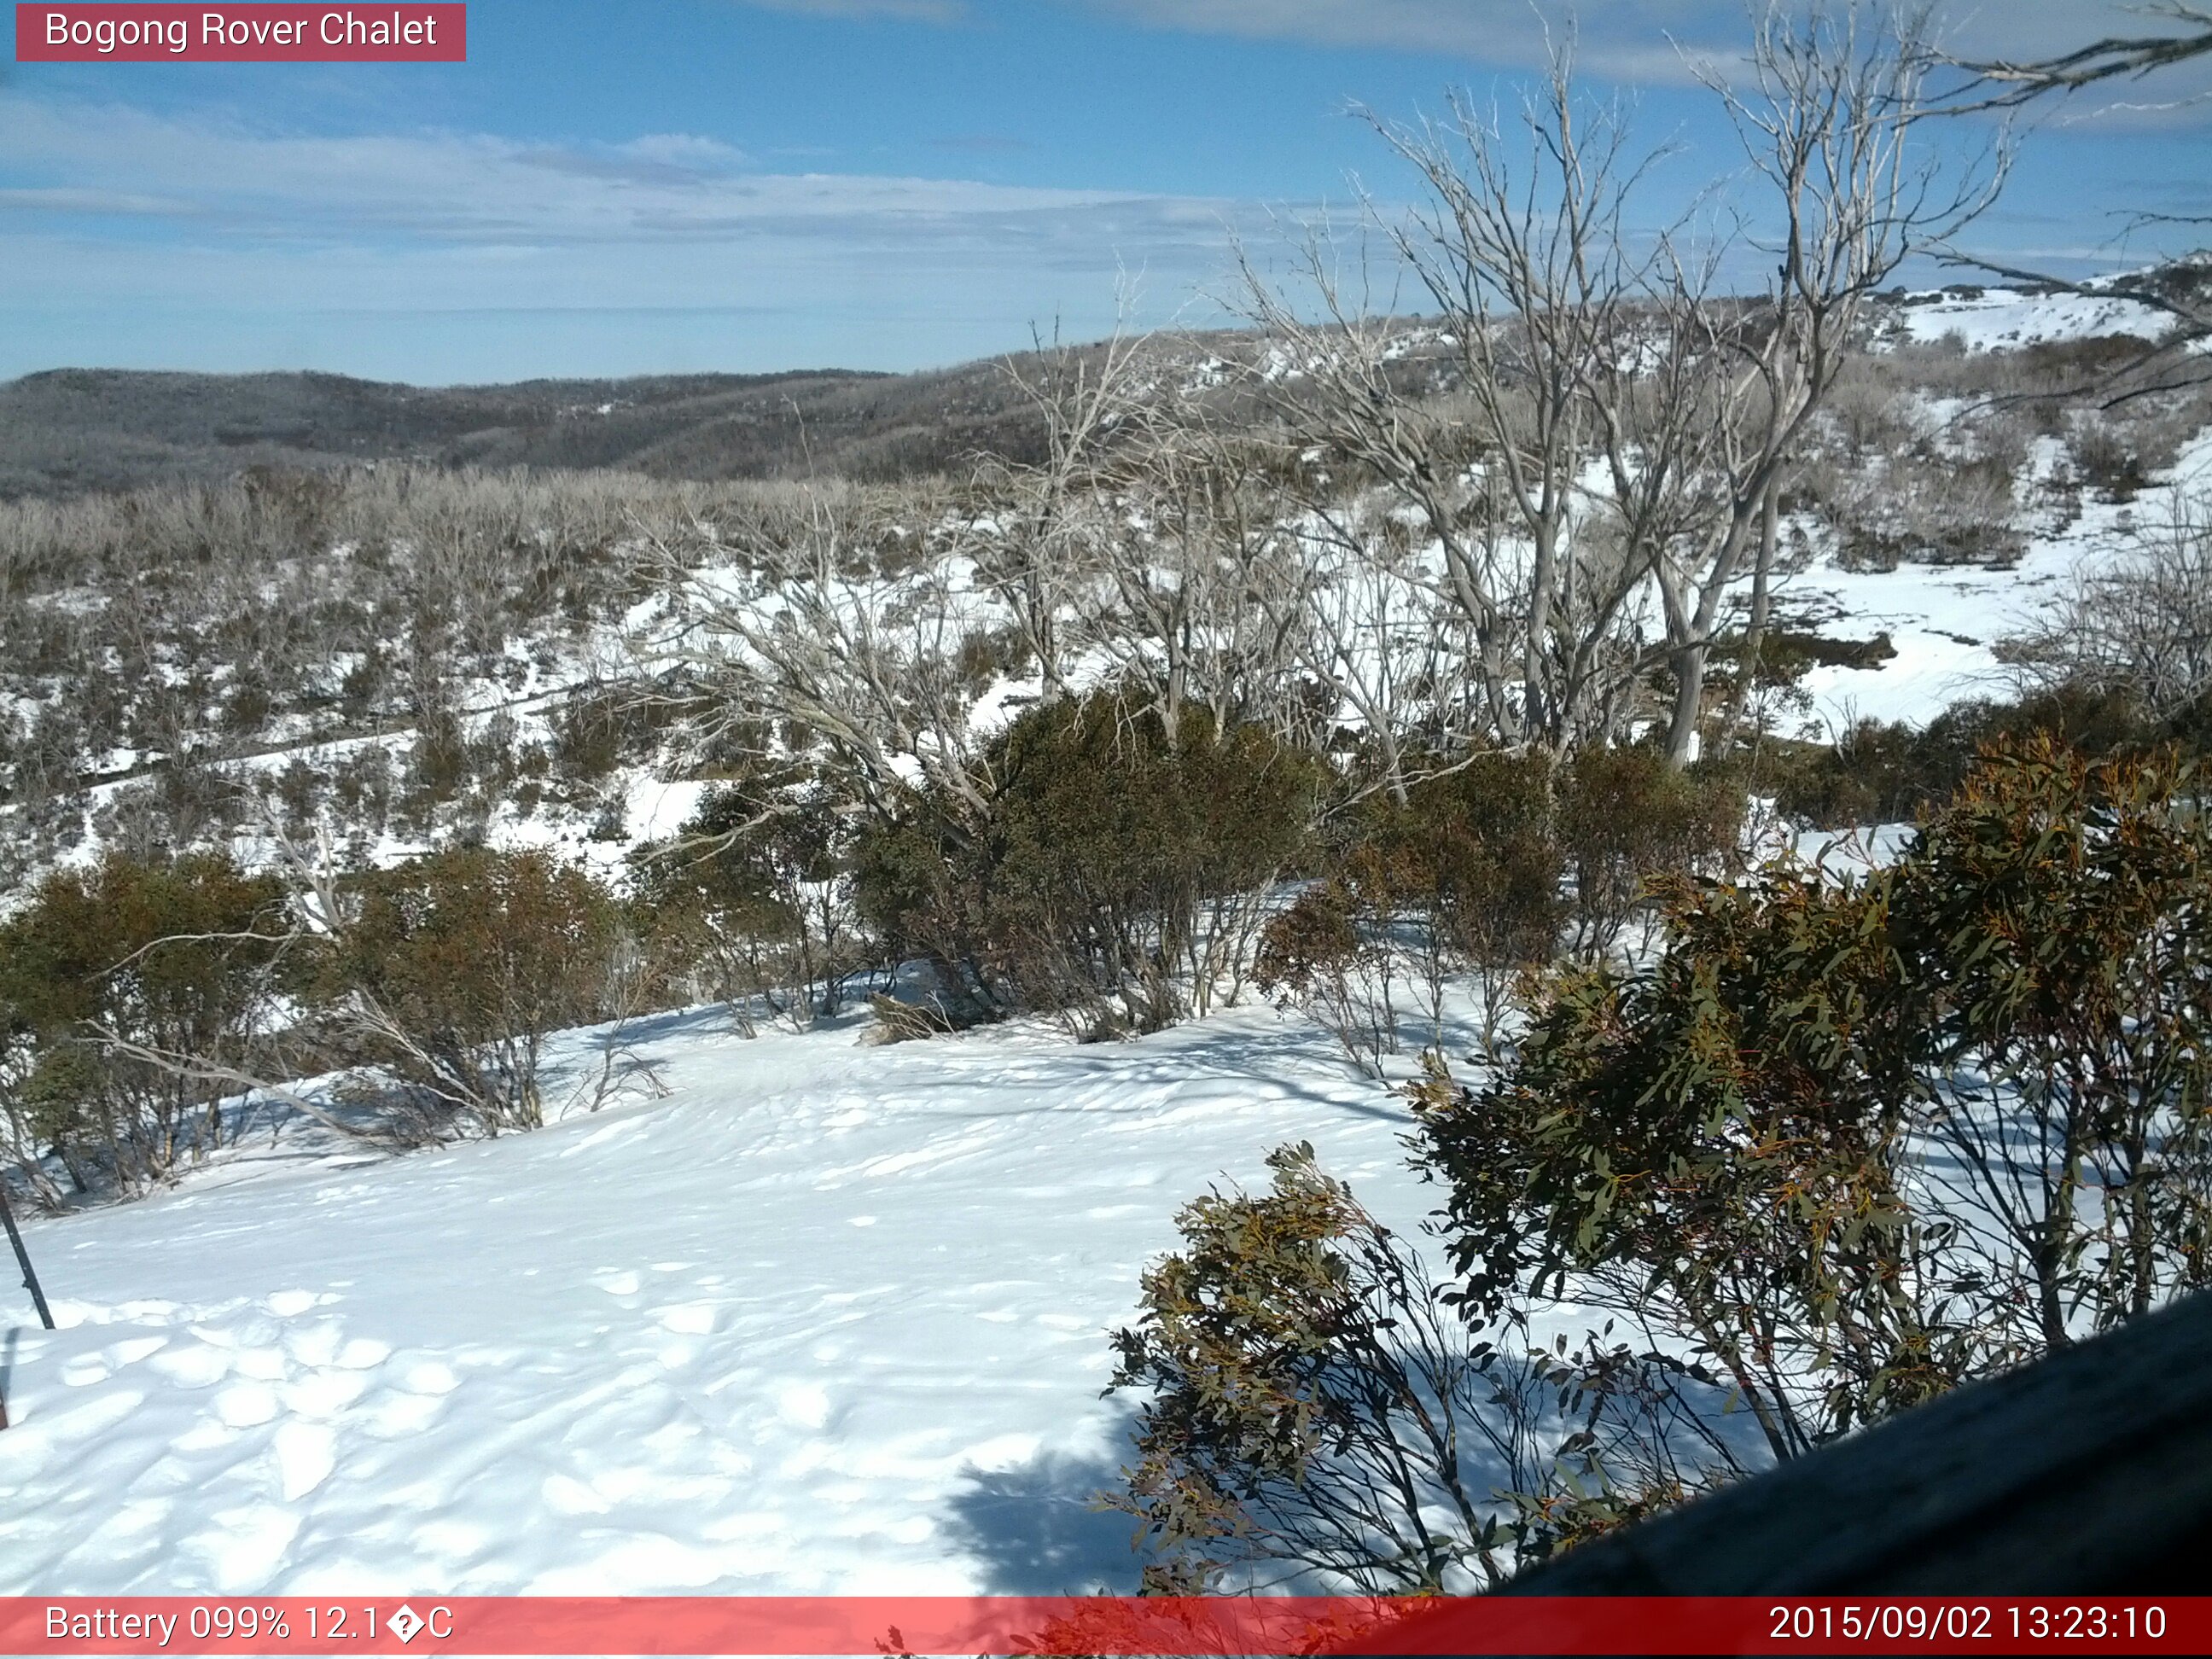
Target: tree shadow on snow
x=1035 y=1529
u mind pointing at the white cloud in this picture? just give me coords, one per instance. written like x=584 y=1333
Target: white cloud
x=1633 y=41
x=464 y=188
x=128 y=235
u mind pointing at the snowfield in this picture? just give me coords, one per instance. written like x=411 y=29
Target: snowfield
x=829 y=1318
x=1992 y=320
x=1945 y=621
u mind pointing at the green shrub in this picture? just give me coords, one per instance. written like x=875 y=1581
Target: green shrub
x=1463 y=874
x=1114 y=874
x=754 y=900
x=1836 y=1150
x=452 y=970
x=1309 y=1403
x=1888 y=772
x=1729 y=1148
x=1626 y=818
x=109 y=968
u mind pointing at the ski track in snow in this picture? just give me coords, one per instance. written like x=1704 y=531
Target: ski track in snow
x=831 y=1318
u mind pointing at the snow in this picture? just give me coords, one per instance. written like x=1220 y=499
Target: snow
x=1946 y=620
x=1996 y=318
x=829 y=1318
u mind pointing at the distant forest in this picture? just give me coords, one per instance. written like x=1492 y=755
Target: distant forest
x=67 y=431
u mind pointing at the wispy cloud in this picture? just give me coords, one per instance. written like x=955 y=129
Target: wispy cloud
x=1627 y=34
x=1636 y=40
x=464 y=188
x=111 y=212
x=981 y=143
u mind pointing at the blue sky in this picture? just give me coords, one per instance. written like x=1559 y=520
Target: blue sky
x=623 y=187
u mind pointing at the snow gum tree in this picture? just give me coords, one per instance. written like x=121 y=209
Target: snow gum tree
x=1588 y=428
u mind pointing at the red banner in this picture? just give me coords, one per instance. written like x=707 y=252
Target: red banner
x=290 y=33
x=1102 y=1624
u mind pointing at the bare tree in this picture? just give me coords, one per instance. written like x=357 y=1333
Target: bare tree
x=1207 y=585
x=2141 y=624
x=2007 y=83
x=1482 y=422
x=2175 y=360
x=839 y=621
x=1830 y=113
x=1035 y=531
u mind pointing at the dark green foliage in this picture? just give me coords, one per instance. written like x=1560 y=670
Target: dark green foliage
x=754 y=902
x=1626 y=817
x=2055 y=925
x=1112 y=873
x=1839 y=1148
x=1716 y=1145
x=1334 y=952
x=1477 y=868
x=1711 y=1148
x=168 y=957
x=1464 y=872
x=1484 y=839
x=1299 y=1406
x=1885 y=772
x=1309 y=1405
x=452 y=970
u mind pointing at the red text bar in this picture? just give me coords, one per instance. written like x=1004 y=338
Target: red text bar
x=172 y=1625
x=290 y=34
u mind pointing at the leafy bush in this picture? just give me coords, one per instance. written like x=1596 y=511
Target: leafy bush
x=2055 y=928
x=754 y=901
x=1729 y=1147
x=1888 y=772
x=1464 y=874
x=1837 y=1149
x=1311 y=1406
x=1624 y=818
x=1114 y=873
x=1334 y=953
x=451 y=971
x=106 y=974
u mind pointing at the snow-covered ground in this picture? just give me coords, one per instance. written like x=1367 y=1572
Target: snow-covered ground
x=1945 y=620
x=830 y=1317
x=827 y=1317
x=1993 y=318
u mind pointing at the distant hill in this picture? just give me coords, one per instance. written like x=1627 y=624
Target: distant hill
x=67 y=430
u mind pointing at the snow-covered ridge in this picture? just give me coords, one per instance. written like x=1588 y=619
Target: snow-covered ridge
x=2002 y=318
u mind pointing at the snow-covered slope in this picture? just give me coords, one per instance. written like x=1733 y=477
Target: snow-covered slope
x=829 y=1317
x=1994 y=318
x=1945 y=621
